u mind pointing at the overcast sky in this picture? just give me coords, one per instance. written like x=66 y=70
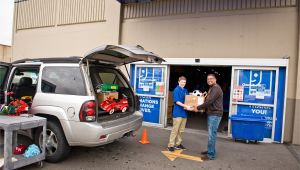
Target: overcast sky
x=6 y=21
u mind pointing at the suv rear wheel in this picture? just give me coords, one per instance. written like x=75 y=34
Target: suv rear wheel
x=57 y=147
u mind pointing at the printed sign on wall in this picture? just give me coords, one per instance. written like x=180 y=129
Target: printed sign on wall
x=258 y=85
x=149 y=80
x=150 y=107
x=238 y=93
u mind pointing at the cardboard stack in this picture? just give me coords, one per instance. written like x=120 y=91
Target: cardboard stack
x=104 y=95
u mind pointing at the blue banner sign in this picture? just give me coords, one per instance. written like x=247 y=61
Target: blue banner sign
x=259 y=86
x=150 y=107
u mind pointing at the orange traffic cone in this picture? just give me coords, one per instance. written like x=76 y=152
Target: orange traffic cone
x=144 y=139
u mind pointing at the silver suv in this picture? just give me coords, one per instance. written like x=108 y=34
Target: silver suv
x=64 y=90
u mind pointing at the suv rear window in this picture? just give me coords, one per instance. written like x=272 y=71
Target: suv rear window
x=107 y=75
x=111 y=78
x=63 y=80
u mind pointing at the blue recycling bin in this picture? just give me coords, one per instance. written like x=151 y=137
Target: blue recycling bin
x=249 y=128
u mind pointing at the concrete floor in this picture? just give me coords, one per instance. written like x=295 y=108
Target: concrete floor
x=128 y=153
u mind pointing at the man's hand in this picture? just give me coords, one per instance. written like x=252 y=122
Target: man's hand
x=189 y=108
x=195 y=109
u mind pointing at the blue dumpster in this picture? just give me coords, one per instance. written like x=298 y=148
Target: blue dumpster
x=249 y=128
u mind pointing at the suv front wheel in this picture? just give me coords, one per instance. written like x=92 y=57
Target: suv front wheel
x=57 y=147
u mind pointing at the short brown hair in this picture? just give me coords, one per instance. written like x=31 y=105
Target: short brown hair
x=181 y=78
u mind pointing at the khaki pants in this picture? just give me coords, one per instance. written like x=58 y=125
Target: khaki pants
x=176 y=134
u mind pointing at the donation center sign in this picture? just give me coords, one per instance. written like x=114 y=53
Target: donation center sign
x=149 y=84
x=256 y=88
x=150 y=107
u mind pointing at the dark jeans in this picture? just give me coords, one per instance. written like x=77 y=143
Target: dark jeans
x=213 y=124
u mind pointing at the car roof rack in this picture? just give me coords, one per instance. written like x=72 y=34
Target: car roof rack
x=73 y=59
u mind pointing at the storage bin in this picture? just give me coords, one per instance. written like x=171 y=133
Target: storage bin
x=249 y=128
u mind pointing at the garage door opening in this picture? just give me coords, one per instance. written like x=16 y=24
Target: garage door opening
x=196 y=80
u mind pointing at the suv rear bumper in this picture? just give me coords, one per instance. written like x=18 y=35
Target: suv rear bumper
x=88 y=134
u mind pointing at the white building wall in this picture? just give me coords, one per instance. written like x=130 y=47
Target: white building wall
x=66 y=37
x=256 y=33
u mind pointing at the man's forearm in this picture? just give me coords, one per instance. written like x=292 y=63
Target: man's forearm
x=180 y=104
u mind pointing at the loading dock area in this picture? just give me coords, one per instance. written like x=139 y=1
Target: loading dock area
x=251 y=87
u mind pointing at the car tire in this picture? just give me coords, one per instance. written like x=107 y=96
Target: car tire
x=57 y=147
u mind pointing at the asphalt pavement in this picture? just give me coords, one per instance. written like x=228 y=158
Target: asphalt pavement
x=128 y=153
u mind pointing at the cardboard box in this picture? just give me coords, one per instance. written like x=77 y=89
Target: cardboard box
x=191 y=100
x=103 y=96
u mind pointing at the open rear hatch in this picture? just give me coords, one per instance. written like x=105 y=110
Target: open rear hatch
x=120 y=54
x=110 y=85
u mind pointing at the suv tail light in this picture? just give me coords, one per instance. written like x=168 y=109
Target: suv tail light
x=88 y=111
x=137 y=98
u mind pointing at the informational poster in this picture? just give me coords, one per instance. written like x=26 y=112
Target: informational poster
x=149 y=84
x=258 y=86
x=150 y=80
x=238 y=93
x=150 y=107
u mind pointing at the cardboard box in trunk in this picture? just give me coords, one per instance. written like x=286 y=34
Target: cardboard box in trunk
x=103 y=96
x=194 y=101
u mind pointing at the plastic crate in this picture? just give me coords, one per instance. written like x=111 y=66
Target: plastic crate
x=107 y=87
x=249 y=128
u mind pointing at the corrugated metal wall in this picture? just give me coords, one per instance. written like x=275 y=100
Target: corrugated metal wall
x=47 y=13
x=79 y=11
x=178 y=7
x=35 y=13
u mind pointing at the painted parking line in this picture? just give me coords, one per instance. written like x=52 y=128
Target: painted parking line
x=178 y=154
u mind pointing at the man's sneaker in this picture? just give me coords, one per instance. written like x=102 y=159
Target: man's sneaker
x=204 y=153
x=171 y=149
x=180 y=147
